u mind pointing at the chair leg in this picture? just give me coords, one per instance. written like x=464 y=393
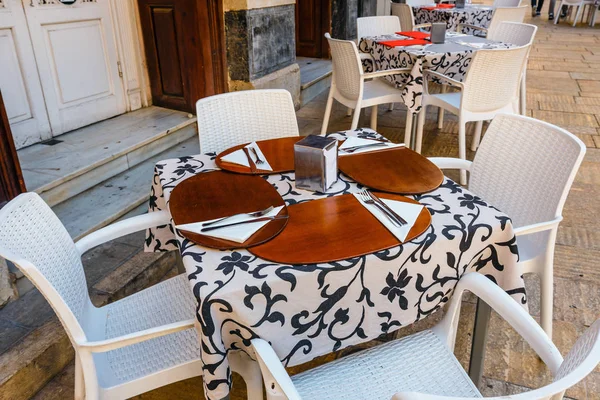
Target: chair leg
x=547 y=301
x=462 y=149
x=79 y=384
x=408 y=129
x=477 y=135
x=355 y=117
x=374 y=118
x=328 y=108
x=348 y=112
x=249 y=370
x=391 y=106
x=557 y=14
x=577 y=15
x=420 y=123
x=441 y=110
x=523 y=95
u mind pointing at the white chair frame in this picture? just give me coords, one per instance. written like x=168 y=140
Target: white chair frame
x=405 y=13
x=536 y=237
x=581 y=361
x=580 y=4
x=354 y=88
x=501 y=14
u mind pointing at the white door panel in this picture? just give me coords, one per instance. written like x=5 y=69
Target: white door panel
x=19 y=80
x=77 y=61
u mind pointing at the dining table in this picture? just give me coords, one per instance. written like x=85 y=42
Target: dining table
x=471 y=14
x=306 y=310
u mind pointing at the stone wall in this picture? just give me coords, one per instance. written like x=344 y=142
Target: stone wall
x=344 y=14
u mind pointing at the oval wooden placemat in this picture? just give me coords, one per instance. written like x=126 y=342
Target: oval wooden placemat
x=397 y=170
x=219 y=194
x=278 y=152
x=333 y=229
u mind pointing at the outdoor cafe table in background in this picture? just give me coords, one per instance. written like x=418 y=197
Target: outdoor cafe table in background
x=472 y=14
x=451 y=59
x=310 y=310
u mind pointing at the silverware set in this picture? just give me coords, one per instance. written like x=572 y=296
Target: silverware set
x=250 y=221
x=252 y=214
x=363 y=146
x=370 y=199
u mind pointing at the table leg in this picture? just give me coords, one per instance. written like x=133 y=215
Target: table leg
x=413 y=134
x=482 y=318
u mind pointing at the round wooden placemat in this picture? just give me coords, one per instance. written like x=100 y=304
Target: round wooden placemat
x=397 y=170
x=219 y=194
x=333 y=229
x=278 y=152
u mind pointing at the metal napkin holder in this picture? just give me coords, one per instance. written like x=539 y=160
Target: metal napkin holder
x=460 y=4
x=315 y=163
x=438 y=32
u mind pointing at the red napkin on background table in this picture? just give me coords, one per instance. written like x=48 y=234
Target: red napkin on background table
x=415 y=34
x=428 y=8
x=445 y=6
x=404 y=42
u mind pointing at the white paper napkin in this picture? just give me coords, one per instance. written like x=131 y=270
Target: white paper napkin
x=238 y=233
x=474 y=45
x=354 y=141
x=410 y=212
x=239 y=157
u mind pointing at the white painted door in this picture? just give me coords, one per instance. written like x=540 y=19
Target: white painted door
x=76 y=56
x=19 y=79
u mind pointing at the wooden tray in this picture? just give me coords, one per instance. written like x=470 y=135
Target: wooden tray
x=279 y=153
x=218 y=194
x=333 y=229
x=397 y=170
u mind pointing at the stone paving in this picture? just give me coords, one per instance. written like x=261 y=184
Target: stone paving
x=563 y=82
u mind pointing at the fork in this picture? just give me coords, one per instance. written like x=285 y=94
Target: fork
x=368 y=200
x=252 y=214
x=258 y=159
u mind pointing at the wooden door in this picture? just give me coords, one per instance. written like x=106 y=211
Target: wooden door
x=76 y=54
x=183 y=40
x=19 y=79
x=313 y=20
x=11 y=178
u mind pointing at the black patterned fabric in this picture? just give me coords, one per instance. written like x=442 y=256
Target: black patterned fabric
x=452 y=59
x=309 y=310
x=477 y=15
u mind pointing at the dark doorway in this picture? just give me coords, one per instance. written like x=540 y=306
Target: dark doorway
x=184 y=50
x=11 y=178
x=313 y=20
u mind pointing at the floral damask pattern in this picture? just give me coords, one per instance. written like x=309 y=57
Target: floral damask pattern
x=309 y=310
x=472 y=15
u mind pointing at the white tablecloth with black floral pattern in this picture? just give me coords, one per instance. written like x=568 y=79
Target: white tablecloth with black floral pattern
x=309 y=310
x=477 y=15
x=451 y=59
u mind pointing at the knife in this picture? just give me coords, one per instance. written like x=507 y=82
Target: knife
x=212 y=228
x=250 y=161
x=395 y=214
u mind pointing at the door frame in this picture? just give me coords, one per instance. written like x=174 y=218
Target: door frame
x=11 y=176
x=325 y=10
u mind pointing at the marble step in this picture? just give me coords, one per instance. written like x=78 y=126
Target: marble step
x=315 y=78
x=87 y=156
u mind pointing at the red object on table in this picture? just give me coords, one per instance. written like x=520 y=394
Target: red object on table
x=429 y=8
x=404 y=42
x=445 y=6
x=415 y=34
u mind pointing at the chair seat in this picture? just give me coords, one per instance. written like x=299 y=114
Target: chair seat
x=449 y=101
x=164 y=303
x=376 y=91
x=419 y=363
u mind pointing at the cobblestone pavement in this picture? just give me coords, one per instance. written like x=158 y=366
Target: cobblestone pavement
x=563 y=83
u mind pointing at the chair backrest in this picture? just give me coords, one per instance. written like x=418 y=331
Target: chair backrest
x=419 y=2
x=34 y=239
x=346 y=66
x=375 y=26
x=404 y=13
x=492 y=81
x=506 y=3
x=513 y=32
x=507 y=14
x=229 y=119
x=525 y=167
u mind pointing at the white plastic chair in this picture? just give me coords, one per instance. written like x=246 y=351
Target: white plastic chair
x=525 y=167
x=490 y=87
x=506 y=3
x=375 y=26
x=521 y=35
x=229 y=119
x=349 y=85
x=501 y=14
x=422 y=366
x=407 y=18
x=125 y=348
x=414 y=3
x=580 y=4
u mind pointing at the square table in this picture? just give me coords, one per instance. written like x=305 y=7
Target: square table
x=310 y=310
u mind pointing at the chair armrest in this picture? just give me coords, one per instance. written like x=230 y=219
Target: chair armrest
x=102 y=346
x=421 y=26
x=451 y=163
x=442 y=77
x=539 y=227
x=364 y=56
x=508 y=309
x=460 y=27
x=273 y=371
x=386 y=72
x=122 y=228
